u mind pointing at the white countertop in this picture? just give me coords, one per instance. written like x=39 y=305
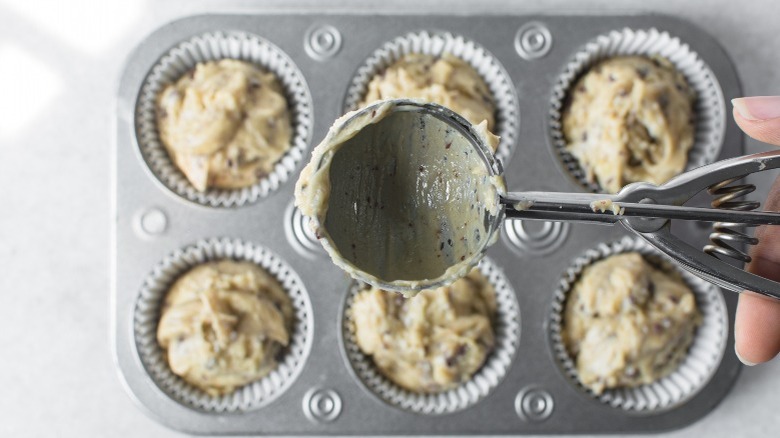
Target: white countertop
x=59 y=66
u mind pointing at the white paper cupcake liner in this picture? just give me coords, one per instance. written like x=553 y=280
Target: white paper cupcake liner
x=438 y=43
x=700 y=362
x=147 y=315
x=212 y=47
x=709 y=108
x=507 y=334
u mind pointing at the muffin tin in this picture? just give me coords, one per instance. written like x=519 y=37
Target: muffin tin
x=323 y=393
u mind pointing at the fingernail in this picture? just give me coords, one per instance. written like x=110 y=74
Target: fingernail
x=746 y=362
x=758 y=107
x=737 y=338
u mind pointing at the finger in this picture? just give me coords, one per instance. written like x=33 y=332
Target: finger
x=757 y=329
x=759 y=117
x=757 y=323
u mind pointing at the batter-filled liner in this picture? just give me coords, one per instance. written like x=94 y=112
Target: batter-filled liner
x=506 y=327
x=700 y=362
x=437 y=44
x=147 y=315
x=215 y=46
x=709 y=108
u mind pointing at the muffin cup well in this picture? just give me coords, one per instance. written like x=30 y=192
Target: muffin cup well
x=507 y=331
x=147 y=315
x=700 y=362
x=436 y=44
x=709 y=108
x=213 y=47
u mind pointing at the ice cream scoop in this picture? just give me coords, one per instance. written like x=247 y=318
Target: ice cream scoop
x=406 y=195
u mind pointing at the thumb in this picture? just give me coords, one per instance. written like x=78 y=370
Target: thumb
x=759 y=117
x=757 y=323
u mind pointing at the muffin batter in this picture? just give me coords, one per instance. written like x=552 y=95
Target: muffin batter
x=400 y=199
x=225 y=124
x=628 y=323
x=446 y=80
x=223 y=324
x=432 y=342
x=630 y=119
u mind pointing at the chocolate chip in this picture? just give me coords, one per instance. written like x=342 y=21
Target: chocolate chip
x=663 y=101
x=642 y=72
x=460 y=351
x=611 y=78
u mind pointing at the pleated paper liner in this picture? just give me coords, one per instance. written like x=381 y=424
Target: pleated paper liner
x=506 y=326
x=436 y=44
x=696 y=368
x=147 y=315
x=709 y=108
x=216 y=46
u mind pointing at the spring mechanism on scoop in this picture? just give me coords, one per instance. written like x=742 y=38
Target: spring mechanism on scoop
x=725 y=237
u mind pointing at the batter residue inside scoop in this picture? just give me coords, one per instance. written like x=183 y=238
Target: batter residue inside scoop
x=401 y=197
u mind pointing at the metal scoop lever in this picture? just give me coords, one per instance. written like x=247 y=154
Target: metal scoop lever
x=588 y=207
x=647 y=210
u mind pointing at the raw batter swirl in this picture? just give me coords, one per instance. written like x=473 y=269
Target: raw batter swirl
x=225 y=124
x=630 y=119
x=222 y=325
x=628 y=323
x=433 y=341
x=446 y=80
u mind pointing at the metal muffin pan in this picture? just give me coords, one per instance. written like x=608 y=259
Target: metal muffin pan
x=326 y=397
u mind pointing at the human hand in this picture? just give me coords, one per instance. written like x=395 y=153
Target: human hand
x=757 y=323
